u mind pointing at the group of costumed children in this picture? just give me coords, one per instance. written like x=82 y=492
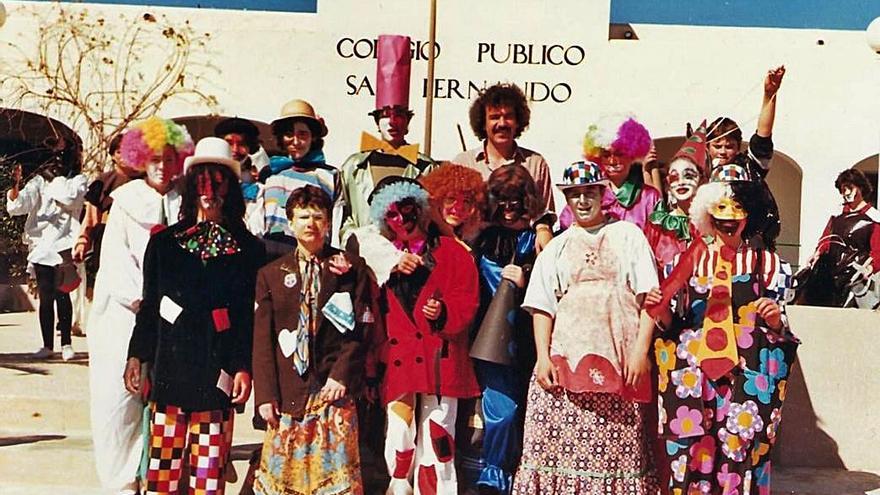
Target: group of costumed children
x=504 y=363
x=560 y=399
x=513 y=371
x=504 y=370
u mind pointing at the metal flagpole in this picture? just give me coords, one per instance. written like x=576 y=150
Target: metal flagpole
x=429 y=102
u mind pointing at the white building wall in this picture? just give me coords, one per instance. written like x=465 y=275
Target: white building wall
x=828 y=105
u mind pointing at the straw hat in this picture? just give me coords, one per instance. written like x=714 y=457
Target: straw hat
x=301 y=109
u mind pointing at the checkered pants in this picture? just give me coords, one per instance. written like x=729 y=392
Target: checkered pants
x=210 y=440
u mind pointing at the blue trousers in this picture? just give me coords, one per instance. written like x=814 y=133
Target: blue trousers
x=502 y=410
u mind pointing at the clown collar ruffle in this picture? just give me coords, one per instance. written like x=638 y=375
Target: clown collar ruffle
x=208 y=240
x=671 y=221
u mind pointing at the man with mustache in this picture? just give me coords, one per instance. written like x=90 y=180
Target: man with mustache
x=498 y=117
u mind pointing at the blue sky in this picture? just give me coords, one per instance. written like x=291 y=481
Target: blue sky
x=811 y=14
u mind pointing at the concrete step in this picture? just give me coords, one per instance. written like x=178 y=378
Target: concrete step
x=58 y=464
x=45 y=436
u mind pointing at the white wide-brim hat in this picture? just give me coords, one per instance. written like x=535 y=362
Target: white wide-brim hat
x=212 y=150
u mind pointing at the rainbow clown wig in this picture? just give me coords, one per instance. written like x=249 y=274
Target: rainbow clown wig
x=391 y=190
x=149 y=138
x=625 y=135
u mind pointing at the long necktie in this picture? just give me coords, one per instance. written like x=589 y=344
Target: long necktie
x=717 y=353
x=308 y=311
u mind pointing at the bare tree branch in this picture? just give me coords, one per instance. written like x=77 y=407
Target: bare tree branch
x=99 y=77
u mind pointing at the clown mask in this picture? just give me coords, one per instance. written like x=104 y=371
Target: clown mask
x=683 y=179
x=728 y=215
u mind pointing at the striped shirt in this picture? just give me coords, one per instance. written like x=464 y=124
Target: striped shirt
x=280 y=186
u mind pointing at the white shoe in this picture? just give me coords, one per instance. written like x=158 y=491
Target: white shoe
x=129 y=489
x=399 y=487
x=67 y=352
x=43 y=353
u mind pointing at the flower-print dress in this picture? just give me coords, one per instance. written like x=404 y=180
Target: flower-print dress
x=720 y=414
x=590 y=435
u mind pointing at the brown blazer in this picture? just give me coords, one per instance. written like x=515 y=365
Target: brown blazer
x=332 y=354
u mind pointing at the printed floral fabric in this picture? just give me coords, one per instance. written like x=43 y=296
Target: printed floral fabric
x=317 y=455
x=208 y=240
x=585 y=443
x=719 y=433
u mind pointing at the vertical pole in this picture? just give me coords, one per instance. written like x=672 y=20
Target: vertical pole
x=429 y=102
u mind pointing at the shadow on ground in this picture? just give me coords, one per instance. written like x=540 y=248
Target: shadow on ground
x=24 y=363
x=812 y=481
x=25 y=439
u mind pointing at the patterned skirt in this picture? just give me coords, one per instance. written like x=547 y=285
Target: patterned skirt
x=584 y=443
x=317 y=455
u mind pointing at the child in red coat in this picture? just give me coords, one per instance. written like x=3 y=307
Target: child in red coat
x=427 y=305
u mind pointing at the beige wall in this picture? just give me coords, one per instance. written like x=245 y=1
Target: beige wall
x=828 y=105
x=831 y=417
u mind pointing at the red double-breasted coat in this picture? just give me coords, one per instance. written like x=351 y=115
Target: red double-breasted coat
x=432 y=357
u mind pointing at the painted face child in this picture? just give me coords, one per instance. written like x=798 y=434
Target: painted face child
x=683 y=179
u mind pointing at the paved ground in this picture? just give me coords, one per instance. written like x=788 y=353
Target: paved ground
x=45 y=439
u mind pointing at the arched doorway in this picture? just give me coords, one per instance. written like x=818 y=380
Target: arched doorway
x=870 y=166
x=784 y=179
x=36 y=142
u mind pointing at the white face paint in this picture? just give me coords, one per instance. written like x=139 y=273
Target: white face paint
x=586 y=204
x=385 y=128
x=852 y=195
x=683 y=179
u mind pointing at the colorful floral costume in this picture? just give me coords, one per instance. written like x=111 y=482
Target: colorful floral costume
x=720 y=403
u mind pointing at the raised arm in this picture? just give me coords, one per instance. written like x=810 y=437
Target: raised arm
x=772 y=82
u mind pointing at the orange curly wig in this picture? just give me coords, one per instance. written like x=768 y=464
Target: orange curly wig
x=452 y=178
